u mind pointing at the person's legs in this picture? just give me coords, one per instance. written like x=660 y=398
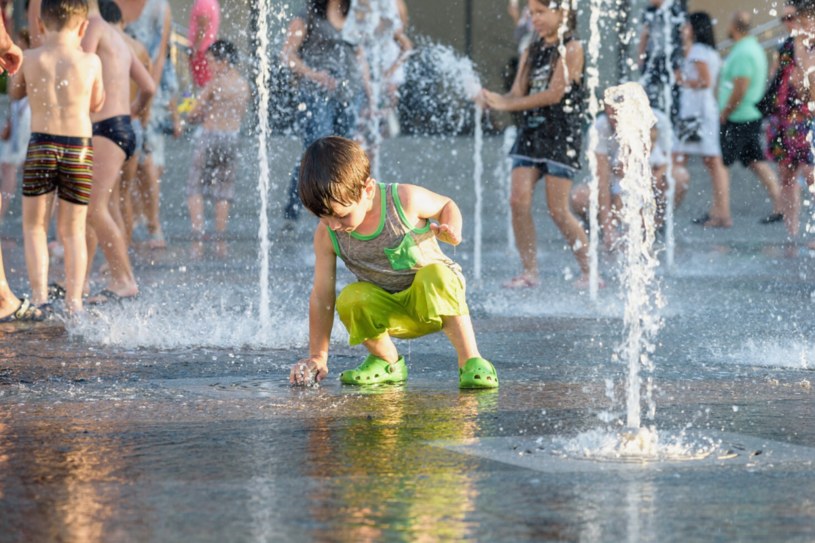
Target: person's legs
x=659 y=183
x=71 y=219
x=790 y=198
x=765 y=174
x=221 y=216
x=126 y=197
x=8 y=187
x=520 y=202
x=149 y=185
x=557 y=198
x=36 y=212
x=109 y=158
x=195 y=181
x=9 y=303
x=579 y=199
x=679 y=171
x=459 y=330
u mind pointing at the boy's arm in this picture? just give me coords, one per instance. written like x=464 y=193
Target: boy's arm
x=90 y=41
x=17 y=90
x=98 y=88
x=320 y=312
x=147 y=87
x=158 y=62
x=201 y=105
x=425 y=204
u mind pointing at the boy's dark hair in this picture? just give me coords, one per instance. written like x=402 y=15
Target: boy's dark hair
x=225 y=50
x=333 y=170
x=110 y=11
x=55 y=14
x=702 y=27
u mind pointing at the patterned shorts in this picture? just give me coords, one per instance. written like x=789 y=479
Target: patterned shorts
x=60 y=163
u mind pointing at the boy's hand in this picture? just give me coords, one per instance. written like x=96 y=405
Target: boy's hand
x=481 y=100
x=446 y=233
x=308 y=371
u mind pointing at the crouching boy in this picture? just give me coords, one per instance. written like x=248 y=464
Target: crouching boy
x=387 y=235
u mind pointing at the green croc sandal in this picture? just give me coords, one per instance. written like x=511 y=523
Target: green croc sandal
x=477 y=373
x=375 y=370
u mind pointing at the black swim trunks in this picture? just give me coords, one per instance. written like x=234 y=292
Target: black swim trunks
x=119 y=130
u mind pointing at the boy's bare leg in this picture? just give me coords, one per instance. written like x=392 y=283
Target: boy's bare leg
x=36 y=213
x=459 y=330
x=115 y=205
x=8 y=301
x=71 y=219
x=221 y=216
x=520 y=201
x=126 y=197
x=383 y=348
x=8 y=187
x=105 y=174
x=557 y=198
x=195 y=205
x=768 y=178
x=150 y=191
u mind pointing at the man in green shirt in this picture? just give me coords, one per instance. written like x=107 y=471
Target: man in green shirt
x=741 y=86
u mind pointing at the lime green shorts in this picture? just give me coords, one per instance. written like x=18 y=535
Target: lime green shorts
x=368 y=311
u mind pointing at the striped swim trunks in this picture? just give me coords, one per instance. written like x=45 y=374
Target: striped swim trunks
x=61 y=163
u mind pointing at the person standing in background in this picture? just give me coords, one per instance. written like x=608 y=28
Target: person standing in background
x=205 y=20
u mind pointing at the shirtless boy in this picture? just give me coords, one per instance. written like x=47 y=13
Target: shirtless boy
x=220 y=110
x=64 y=85
x=114 y=142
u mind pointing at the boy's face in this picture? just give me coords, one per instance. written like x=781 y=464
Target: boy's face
x=347 y=218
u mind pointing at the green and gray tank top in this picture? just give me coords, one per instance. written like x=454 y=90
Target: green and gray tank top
x=391 y=256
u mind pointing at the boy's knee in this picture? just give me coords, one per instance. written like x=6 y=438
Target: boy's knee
x=353 y=299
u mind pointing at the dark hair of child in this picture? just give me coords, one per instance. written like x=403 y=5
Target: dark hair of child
x=225 y=51
x=333 y=170
x=57 y=14
x=110 y=11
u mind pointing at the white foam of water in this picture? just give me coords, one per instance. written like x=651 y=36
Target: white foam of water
x=641 y=445
x=204 y=322
x=773 y=354
x=460 y=70
x=478 y=174
x=634 y=120
x=264 y=249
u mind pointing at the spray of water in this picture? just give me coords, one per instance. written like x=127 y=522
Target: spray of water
x=668 y=90
x=592 y=83
x=634 y=121
x=264 y=251
x=478 y=173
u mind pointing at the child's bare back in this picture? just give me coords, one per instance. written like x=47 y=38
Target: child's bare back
x=63 y=85
x=226 y=97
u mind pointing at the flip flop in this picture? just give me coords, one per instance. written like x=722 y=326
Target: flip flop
x=109 y=296
x=375 y=370
x=25 y=313
x=477 y=373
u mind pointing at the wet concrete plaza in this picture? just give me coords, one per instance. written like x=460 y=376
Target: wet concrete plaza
x=171 y=419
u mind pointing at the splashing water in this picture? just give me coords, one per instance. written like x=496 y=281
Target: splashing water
x=671 y=192
x=478 y=173
x=634 y=120
x=503 y=173
x=264 y=251
x=592 y=83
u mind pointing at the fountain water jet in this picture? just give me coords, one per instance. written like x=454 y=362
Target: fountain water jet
x=262 y=86
x=592 y=83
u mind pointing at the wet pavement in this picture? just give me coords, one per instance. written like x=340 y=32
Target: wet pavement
x=170 y=418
